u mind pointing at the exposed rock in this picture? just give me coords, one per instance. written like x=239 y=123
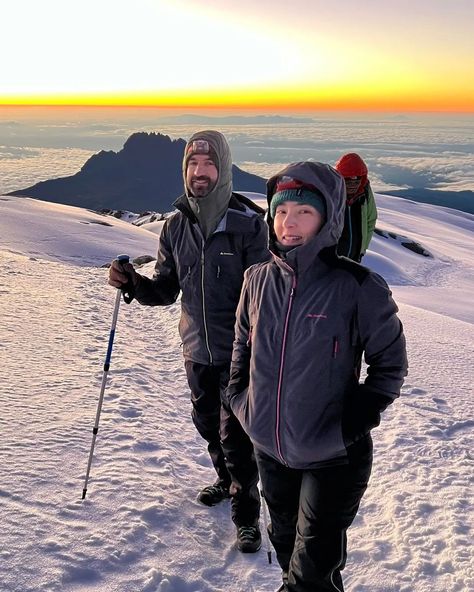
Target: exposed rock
x=144 y=176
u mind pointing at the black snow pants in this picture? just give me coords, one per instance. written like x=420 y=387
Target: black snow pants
x=229 y=447
x=310 y=512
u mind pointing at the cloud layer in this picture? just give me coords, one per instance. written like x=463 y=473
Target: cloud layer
x=402 y=152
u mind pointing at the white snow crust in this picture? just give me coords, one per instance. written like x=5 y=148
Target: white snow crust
x=140 y=528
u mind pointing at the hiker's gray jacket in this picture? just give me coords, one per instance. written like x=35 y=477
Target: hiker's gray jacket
x=302 y=326
x=208 y=273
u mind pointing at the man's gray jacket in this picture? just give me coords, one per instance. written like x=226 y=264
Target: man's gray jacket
x=209 y=273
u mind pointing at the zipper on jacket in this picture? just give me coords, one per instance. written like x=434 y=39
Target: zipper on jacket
x=280 y=373
x=249 y=339
x=335 y=347
x=206 y=334
x=218 y=274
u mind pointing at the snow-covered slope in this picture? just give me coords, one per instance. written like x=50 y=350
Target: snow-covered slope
x=140 y=528
x=57 y=232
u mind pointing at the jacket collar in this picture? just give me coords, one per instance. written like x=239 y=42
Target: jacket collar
x=236 y=224
x=303 y=258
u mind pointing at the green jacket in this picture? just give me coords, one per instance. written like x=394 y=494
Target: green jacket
x=359 y=223
x=369 y=217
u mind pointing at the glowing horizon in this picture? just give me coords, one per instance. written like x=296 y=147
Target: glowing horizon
x=245 y=103
x=176 y=54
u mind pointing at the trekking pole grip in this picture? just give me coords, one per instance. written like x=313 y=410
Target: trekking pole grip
x=128 y=291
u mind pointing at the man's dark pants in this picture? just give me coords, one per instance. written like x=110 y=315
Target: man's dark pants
x=310 y=512
x=229 y=447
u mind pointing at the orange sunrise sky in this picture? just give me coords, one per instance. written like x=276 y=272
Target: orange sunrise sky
x=301 y=55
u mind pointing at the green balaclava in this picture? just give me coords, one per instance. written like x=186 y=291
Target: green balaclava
x=210 y=209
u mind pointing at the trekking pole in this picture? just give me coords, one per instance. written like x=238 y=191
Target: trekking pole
x=127 y=292
x=265 y=526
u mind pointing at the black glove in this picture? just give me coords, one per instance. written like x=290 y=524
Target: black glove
x=362 y=410
x=124 y=277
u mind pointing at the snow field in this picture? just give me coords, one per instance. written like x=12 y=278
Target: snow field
x=139 y=528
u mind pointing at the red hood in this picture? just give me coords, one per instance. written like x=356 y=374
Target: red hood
x=352 y=165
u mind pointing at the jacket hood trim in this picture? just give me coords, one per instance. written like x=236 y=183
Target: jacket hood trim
x=210 y=208
x=333 y=190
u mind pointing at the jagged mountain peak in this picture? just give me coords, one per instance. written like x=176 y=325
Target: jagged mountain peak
x=144 y=175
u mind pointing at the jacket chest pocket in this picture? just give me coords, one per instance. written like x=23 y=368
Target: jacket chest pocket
x=188 y=273
x=228 y=271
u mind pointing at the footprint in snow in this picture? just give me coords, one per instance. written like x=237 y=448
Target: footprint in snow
x=146 y=446
x=81 y=575
x=453 y=429
x=50 y=546
x=407 y=389
x=131 y=413
x=158 y=582
x=443 y=449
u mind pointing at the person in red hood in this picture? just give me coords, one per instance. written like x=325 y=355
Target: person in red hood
x=361 y=211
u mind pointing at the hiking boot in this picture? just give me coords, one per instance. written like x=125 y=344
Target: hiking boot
x=248 y=539
x=213 y=494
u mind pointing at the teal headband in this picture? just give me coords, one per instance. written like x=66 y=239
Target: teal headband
x=300 y=195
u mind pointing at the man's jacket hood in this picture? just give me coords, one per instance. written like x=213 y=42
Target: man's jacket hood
x=330 y=185
x=210 y=209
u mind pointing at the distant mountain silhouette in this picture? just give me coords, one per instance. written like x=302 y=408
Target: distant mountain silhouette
x=144 y=176
x=458 y=200
x=191 y=119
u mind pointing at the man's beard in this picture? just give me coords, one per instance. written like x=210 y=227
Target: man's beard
x=201 y=190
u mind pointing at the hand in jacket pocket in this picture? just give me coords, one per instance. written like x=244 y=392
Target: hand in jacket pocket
x=362 y=410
